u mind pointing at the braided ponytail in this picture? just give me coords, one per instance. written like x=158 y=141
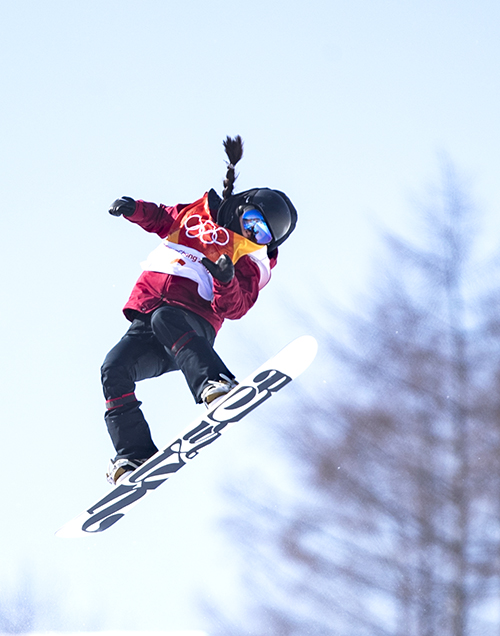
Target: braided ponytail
x=234 y=152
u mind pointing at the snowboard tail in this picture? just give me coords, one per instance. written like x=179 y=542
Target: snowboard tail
x=261 y=385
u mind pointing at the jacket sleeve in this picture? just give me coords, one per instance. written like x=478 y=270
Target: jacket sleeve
x=234 y=299
x=153 y=218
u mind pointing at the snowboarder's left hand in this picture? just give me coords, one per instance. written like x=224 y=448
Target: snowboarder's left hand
x=222 y=270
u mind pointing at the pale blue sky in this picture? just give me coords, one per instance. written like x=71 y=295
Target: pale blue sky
x=344 y=105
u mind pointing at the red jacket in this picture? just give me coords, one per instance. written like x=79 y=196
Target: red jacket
x=152 y=289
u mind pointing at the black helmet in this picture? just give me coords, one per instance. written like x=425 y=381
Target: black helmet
x=276 y=207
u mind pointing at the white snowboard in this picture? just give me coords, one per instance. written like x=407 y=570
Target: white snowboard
x=262 y=384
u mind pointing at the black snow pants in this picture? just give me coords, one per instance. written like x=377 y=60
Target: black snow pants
x=166 y=340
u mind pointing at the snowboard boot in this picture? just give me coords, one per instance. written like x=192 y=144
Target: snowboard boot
x=118 y=470
x=216 y=389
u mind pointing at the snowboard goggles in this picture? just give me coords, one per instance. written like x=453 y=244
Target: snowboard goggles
x=253 y=221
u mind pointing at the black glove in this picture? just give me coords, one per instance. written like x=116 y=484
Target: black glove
x=223 y=270
x=125 y=206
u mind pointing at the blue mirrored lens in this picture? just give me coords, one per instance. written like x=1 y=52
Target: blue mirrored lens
x=253 y=221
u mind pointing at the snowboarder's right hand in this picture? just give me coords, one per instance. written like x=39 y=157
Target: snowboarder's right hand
x=222 y=270
x=125 y=206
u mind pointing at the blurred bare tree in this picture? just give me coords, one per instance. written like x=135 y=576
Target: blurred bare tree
x=27 y=607
x=18 y=608
x=393 y=528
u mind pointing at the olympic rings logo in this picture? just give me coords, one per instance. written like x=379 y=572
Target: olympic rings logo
x=206 y=231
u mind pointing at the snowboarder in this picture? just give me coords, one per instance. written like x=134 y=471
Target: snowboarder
x=215 y=256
